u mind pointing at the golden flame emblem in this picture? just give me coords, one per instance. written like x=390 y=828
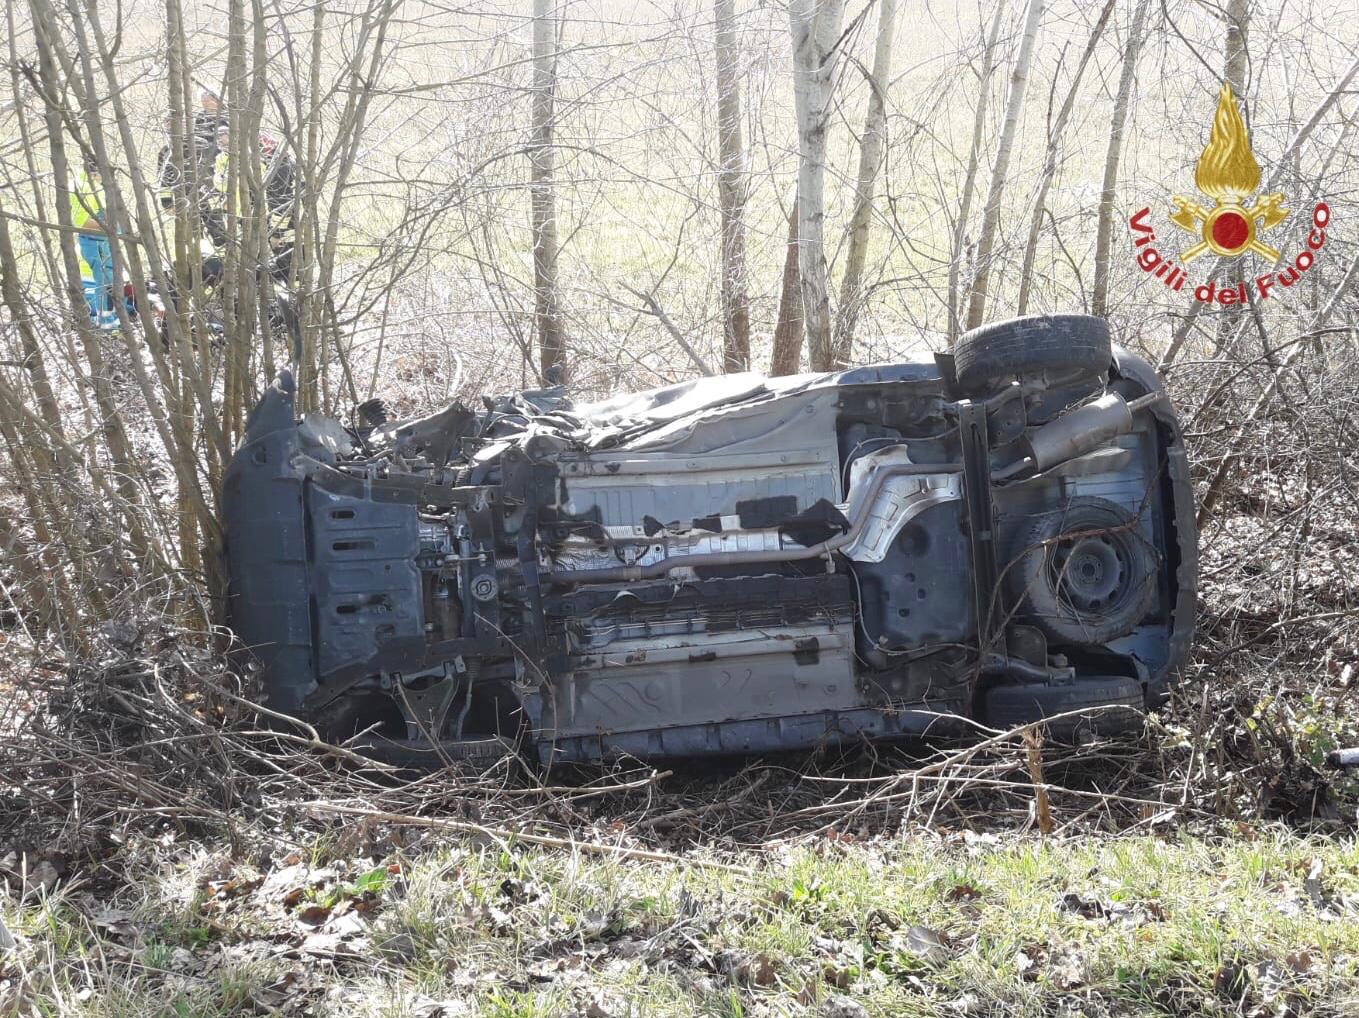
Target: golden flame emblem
x=1228 y=173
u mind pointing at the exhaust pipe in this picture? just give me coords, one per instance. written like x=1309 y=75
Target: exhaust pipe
x=1084 y=429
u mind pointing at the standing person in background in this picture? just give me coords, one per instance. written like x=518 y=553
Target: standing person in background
x=280 y=194
x=190 y=185
x=210 y=129
x=96 y=256
x=215 y=203
x=279 y=175
x=175 y=181
x=210 y=116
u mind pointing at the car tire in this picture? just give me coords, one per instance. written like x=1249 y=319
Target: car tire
x=1074 y=345
x=1087 y=589
x=359 y=711
x=1011 y=705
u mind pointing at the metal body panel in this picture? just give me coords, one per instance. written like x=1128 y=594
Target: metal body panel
x=724 y=565
x=705 y=678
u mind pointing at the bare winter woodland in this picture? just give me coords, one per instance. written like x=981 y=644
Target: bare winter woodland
x=632 y=194
x=482 y=194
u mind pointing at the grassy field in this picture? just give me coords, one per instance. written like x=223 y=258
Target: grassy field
x=123 y=913
x=1256 y=922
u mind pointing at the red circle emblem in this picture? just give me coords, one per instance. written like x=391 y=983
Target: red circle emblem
x=1230 y=231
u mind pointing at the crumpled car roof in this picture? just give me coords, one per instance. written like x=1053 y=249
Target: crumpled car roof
x=626 y=421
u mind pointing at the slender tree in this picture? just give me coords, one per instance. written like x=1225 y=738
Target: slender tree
x=1236 y=52
x=731 y=191
x=870 y=160
x=551 y=338
x=1099 y=298
x=1235 y=71
x=1056 y=130
x=815 y=26
x=988 y=67
x=786 y=358
x=1000 y=171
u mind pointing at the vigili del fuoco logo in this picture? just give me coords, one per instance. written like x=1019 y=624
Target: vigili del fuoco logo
x=1234 y=225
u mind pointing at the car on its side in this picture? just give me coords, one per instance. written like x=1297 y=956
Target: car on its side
x=727 y=565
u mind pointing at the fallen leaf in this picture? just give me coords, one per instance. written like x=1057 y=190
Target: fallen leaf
x=314 y=914
x=762 y=972
x=43 y=875
x=116 y=923
x=748 y=969
x=1028 y=959
x=1086 y=908
x=288 y=880
x=963 y=892
x=324 y=945
x=1069 y=971
x=1313 y=884
x=925 y=943
x=1230 y=981
x=842 y=1007
x=399 y=947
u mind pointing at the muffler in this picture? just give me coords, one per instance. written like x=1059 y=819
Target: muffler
x=1084 y=429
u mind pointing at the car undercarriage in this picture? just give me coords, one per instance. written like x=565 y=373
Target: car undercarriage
x=735 y=564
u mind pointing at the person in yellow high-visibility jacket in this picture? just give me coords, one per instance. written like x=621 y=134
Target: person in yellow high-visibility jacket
x=96 y=257
x=216 y=210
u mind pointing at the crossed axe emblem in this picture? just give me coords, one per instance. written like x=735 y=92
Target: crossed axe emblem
x=1229 y=228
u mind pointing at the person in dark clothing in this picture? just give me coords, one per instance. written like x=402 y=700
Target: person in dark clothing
x=175 y=180
x=280 y=194
x=209 y=119
x=188 y=181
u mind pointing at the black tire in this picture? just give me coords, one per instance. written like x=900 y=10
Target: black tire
x=1076 y=345
x=1009 y=706
x=1091 y=587
x=360 y=711
x=479 y=751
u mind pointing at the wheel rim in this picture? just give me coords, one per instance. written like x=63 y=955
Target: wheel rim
x=1092 y=574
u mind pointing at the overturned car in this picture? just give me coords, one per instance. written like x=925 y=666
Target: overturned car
x=732 y=564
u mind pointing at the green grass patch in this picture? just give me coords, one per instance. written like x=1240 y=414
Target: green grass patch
x=1267 y=922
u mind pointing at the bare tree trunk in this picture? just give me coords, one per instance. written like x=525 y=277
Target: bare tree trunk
x=786 y=358
x=731 y=192
x=551 y=342
x=815 y=29
x=970 y=180
x=29 y=487
x=120 y=450
x=870 y=160
x=1099 y=298
x=1236 y=69
x=303 y=275
x=12 y=293
x=172 y=420
x=1014 y=106
x=33 y=582
x=365 y=65
x=1231 y=320
x=1050 y=164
